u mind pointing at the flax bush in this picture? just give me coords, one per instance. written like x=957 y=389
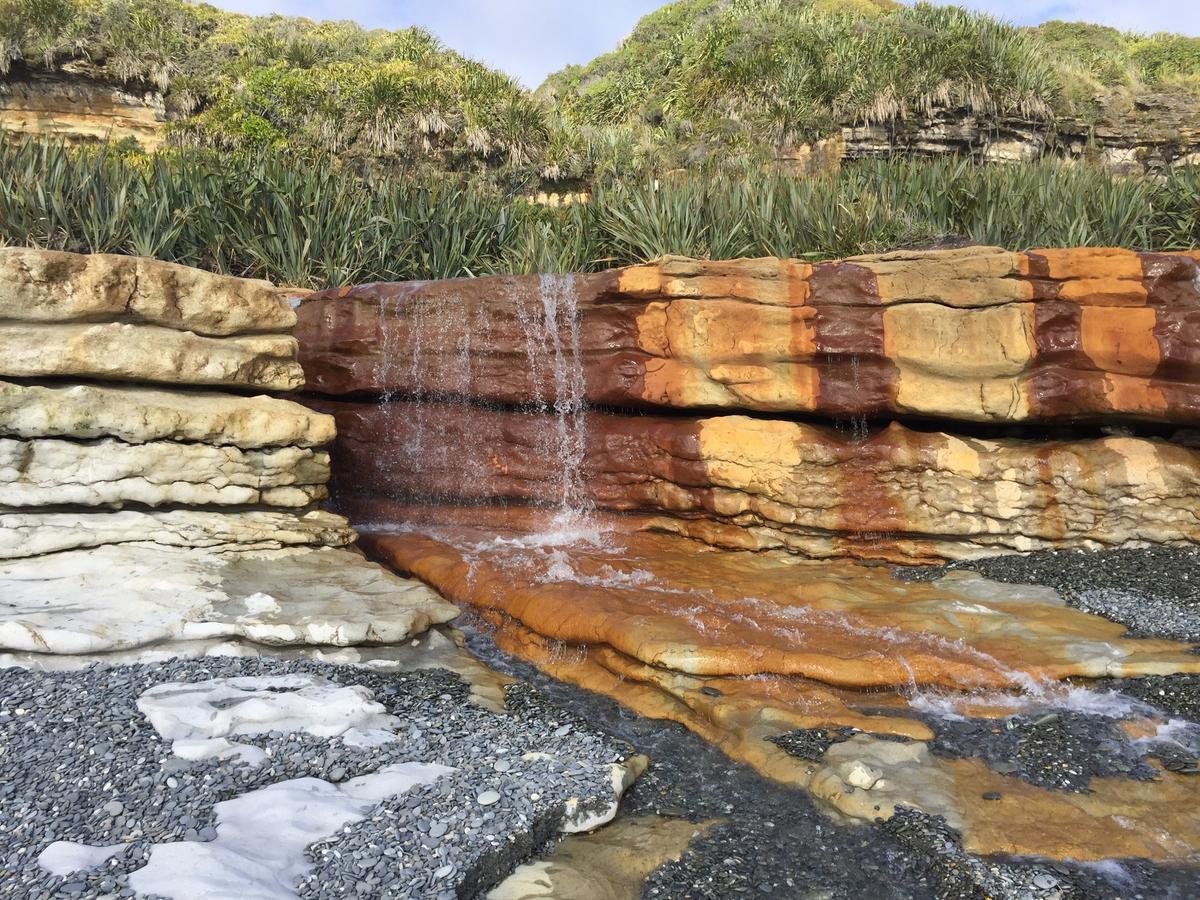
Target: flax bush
x=311 y=222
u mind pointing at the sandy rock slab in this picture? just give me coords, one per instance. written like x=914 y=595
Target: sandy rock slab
x=677 y=605
x=124 y=352
x=138 y=415
x=976 y=334
x=37 y=532
x=123 y=597
x=53 y=286
x=113 y=473
x=895 y=494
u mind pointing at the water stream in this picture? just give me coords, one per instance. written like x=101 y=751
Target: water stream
x=566 y=573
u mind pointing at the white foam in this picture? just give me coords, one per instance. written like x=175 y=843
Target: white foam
x=1179 y=732
x=1035 y=696
x=258 y=853
x=200 y=717
x=65 y=857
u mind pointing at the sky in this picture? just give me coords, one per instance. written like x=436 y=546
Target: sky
x=531 y=38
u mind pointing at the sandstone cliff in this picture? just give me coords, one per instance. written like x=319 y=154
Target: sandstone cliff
x=79 y=109
x=126 y=479
x=944 y=339
x=978 y=334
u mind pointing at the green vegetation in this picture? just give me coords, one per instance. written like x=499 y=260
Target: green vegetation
x=704 y=79
x=698 y=82
x=317 y=225
x=277 y=83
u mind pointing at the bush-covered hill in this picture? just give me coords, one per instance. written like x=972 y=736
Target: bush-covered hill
x=718 y=76
x=275 y=82
x=698 y=80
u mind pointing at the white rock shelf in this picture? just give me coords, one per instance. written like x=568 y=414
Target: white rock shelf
x=112 y=473
x=116 y=598
x=37 y=532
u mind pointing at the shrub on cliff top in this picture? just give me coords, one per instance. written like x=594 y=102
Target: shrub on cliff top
x=317 y=225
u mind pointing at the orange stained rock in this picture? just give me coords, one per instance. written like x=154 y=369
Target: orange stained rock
x=975 y=334
x=1117 y=818
x=673 y=604
x=738 y=721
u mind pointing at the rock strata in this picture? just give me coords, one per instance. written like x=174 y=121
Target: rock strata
x=747 y=483
x=132 y=514
x=978 y=334
x=137 y=415
x=50 y=286
x=111 y=473
x=37 y=532
x=149 y=353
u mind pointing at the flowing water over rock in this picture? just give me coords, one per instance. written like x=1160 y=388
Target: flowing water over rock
x=575 y=535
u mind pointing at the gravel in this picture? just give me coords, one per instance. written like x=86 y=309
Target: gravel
x=80 y=763
x=811 y=743
x=1153 y=592
x=959 y=875
x=1057 y=750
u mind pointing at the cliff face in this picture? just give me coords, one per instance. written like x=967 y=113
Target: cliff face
x=979 y=335
x=148 y=487
x=672 y=484
x=81 y=110
x=1016 y=342
x=1157 y=131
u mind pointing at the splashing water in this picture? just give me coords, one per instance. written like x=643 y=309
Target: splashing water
x=558 y=389
x=428 y=354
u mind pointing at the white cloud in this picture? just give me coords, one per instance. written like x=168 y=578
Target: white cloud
x=531 y=38
x=1142 y=15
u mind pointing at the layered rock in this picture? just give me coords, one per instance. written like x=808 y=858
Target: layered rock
x=120 y=598
x=148 y=353
x=53 y=287
x=138 y=415
x=896 y=494
x=82 y=110
x=38 y=532
x=1158 y=131
x=112 y=473
x=978 y=334
x=132 y=515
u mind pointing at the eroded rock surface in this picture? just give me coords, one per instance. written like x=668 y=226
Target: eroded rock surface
x=747 y=483
x=978 y=334
x=55 y=287
x=138 y=415
x=49 y=472
x=126 y=597
x=149 y=353
x=34 y=532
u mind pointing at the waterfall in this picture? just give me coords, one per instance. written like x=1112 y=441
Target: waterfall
x=560 y=308
x=433 y=348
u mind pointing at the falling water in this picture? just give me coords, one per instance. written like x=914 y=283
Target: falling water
x=560 y=301
x=550 y=328
x=431 y=348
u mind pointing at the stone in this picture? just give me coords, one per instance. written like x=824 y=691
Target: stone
x=119 y=598
x=137 y=415
x=148 y=353
x=672 y=604
x=976 y=334
x=37 y=532
x=82 y=110
x=50 y=472
x=611 y=863
x=896 y=494
x=49 y=286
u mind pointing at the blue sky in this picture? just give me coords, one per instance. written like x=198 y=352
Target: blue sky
x=531 y=38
